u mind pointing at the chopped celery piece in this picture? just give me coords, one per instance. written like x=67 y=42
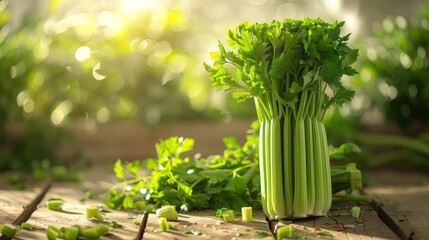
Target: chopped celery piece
x=355 y=211
x=9 y=230
x=53 y=233
x=163 y=224
x=168 y=212
x=26 y=226
x=90 y=233
x=71 y=233
x=246 y=214
x=284 y=232
x=102 y=229
x=95 y=232
x=228 y=216
x=94 y=213
x=55 y=204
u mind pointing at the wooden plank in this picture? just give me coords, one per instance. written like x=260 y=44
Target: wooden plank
x=205 y=224
x=402 y=201
x=339 y=224
x=13 y=201
x=198 y=222
x=406 y=209
x=366 y=226
x=74 y=213
x=74 y=208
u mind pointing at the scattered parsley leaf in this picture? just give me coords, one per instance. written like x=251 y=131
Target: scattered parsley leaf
x=324 y=233
x=262 y=234
x=115 y=224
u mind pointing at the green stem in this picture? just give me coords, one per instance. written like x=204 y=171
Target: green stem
x=352 y=198
x=276 y=169
x=267 y=173
x=262 y=168
x=318 y=170
x=310 y=164
x=288 y=162
x=326 y=169
x=300 y=190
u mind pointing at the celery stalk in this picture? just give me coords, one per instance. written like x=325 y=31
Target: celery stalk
x=311 y=195
x=300 y=189
x=262 y=167
x=327 y=170
x=268 y=175
x=288 y=163
x=276 y=169
x=318 y=171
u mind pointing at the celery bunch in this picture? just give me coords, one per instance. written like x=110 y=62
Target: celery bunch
x=288 y=67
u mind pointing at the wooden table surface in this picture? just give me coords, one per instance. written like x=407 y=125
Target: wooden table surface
x=400 y=212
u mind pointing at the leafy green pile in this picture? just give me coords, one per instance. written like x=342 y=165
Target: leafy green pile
x=229 y=180
x=288 y=67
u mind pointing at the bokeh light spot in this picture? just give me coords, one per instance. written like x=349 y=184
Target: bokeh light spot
x=82 y=53
x=401 y=22
x=405 y=60
x=61 y=112
x=162 y=49
x=103 y=115
x=28 y=106
x=412 y=90
x=387 y=25
x=22 y=98
x=95 y=74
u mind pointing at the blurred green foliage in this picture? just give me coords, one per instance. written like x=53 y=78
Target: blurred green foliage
x=98 y=61
x=34 y=139
x=394 y=71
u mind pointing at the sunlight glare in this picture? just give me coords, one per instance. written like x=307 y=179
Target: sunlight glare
x=82 y=53
x=352 y=23
x=112 y=22
x=135 y=6
x=333 y=6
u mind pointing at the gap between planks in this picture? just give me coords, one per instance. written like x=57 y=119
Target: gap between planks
x=403 y=230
